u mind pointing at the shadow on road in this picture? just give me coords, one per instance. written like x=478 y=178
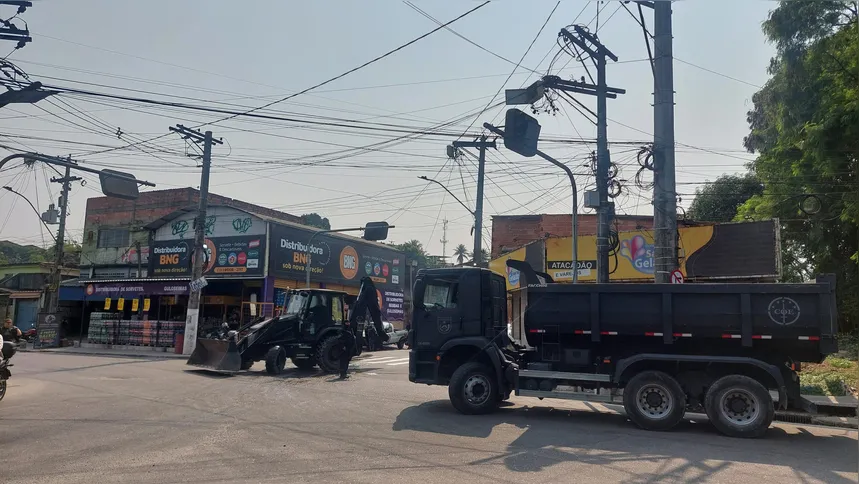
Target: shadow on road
x=691 y=452
x=288 y=373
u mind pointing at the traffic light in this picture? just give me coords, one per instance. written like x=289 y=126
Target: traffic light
x=376 y=230
x=521 y=132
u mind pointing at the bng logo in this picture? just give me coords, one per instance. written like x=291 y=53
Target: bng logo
x=349 y=262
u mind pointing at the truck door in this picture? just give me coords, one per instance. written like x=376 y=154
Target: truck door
x=437 y=313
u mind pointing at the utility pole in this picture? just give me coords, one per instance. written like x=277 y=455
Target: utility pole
x=481 y=144
x=193 y=315
x=598 y=53
x=664 y=187
x=444 y=237
x=63 y=204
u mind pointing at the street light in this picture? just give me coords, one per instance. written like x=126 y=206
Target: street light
x=34 y=209
x=448 y=191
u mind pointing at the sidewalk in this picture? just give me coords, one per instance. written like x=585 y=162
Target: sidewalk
x=117 y=352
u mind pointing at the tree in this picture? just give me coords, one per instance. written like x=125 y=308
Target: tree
x=316 y=220
x=805 y=131
x=461 y=254
x=414 y=251
x=719 y=201
x=484 y=257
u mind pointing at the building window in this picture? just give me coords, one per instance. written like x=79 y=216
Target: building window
x=113 y=238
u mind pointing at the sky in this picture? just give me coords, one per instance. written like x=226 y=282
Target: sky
x=242 y=56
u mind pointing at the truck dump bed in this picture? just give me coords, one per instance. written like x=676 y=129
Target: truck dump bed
x=795 y=320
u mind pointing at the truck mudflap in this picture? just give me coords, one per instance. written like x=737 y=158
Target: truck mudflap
x=217 y=355
x=772 y=370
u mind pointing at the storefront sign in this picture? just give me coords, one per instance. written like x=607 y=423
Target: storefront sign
x=99 y=290
x=225 y=257
x=332 y=259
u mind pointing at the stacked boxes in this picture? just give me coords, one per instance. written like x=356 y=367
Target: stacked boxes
x=109 y=328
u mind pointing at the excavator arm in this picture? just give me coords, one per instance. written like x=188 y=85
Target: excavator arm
x=368 y=300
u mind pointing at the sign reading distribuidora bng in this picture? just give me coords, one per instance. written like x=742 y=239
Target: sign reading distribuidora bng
x=224 y=257
x=332 y=259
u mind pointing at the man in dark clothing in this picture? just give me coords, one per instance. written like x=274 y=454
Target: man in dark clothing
x=347 y=342
x=10 y=333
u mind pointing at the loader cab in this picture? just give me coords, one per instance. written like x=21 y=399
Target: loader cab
x=315 y=309
x=458 y=303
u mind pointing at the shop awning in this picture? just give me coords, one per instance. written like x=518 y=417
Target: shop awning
x=26 y=295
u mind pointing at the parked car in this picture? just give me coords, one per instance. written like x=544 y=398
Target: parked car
x=395 y=337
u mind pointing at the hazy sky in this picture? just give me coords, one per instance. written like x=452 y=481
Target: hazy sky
x=248 y=54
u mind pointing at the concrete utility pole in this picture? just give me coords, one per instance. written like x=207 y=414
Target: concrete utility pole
x=192 y=318
x=598 y=52
x=444 y=237
x=63 y=204
x=664 y=188
x=481 y=144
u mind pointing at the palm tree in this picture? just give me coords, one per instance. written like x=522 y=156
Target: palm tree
x=461 y=253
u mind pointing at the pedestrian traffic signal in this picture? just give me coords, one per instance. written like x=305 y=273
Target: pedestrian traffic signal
x=521 y=133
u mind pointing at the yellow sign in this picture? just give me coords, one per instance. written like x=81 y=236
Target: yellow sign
x=632 y=261
x=146 y=305
x=135 y=303
x=499 y=265
x=120 y=303
x=106 y=303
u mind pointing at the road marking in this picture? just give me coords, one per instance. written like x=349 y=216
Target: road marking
x=398 y=363
x=379 y=360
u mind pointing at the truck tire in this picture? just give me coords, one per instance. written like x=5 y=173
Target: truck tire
x=275 y=360
x=473 y=389
x=654 y=400
x=304 y=364
x=739 y=406
x=328 y=354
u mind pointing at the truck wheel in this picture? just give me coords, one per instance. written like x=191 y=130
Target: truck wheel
x=247 y=364
x=473 y=389
x=304 y=364
x=739 y=406
x=401 y=344
x=654 y=400
x=328 y=354
x=275 y=360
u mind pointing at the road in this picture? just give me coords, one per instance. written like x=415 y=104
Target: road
x=84 y=419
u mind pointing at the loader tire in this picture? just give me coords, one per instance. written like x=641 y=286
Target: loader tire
x=304 y=364
x=275 y=360
x=247 y=364
x=328 y=354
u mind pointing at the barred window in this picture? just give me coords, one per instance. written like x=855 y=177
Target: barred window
x=113 y=238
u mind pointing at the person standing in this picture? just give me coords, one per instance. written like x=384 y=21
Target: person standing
x=347 y=343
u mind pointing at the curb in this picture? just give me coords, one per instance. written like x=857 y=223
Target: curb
x=141 y=355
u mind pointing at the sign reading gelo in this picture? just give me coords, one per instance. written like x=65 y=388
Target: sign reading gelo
x=348 y=262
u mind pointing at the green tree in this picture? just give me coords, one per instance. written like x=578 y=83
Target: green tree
x=316 y=220
x=415 y=251
x=719 y=201
x=461 y=254
x=805 y=131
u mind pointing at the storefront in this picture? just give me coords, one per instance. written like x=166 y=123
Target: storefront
x=337 y=262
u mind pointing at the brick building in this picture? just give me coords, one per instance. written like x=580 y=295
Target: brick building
x=114 y=229
x=513 y=231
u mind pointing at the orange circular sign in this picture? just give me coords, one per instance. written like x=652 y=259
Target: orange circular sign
x=349 y=262
x=211 y=254
x=379 y=297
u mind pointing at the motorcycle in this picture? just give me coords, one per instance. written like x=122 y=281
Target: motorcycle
x=8 y=349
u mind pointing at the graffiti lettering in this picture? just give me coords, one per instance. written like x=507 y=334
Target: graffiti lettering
x=179 y=227
x=242 y=225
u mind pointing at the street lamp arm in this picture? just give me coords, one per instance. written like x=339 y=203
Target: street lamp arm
x=575 y=232
x=53 y=160
x=448 y=191
x=50 y=232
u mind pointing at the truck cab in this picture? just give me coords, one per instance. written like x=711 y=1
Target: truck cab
x=459 y=316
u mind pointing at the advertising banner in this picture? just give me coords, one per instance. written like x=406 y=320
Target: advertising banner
x=109 y=290
x=747 y=250
x=333 y=259
x=225 y=257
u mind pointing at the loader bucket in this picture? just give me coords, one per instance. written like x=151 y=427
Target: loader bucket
x=218 y=355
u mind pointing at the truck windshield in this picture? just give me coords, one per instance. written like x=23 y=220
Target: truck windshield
x=440 y=295
x=296 y=304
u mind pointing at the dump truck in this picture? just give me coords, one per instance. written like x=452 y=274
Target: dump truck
x=306 y=331
x=731 y=351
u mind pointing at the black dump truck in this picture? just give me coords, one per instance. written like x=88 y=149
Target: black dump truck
x=729 y=350
x=307 y=332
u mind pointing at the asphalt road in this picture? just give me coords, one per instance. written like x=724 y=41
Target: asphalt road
x=71 y=418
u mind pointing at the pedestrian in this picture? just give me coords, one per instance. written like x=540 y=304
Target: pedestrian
x=347 y=343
